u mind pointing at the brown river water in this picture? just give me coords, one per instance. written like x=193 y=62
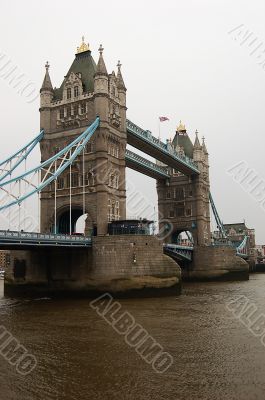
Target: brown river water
x=81 y=357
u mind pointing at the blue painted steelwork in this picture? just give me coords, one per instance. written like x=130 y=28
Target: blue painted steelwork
x=241 y=250
x=219 y=223
x=177 y=251
x=19 y=156
x=163 y=147
x=134 y=158
x=14 y=238
x=65 y=157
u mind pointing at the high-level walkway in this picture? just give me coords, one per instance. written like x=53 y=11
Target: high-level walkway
x=146 y=142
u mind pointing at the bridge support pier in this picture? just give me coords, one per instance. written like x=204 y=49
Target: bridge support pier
x=123 y=265
x=216 y=263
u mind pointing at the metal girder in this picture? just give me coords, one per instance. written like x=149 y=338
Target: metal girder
x=49 y=169
x=217 y=218
x=140 y=138
x=11 y=163
x=147 y=167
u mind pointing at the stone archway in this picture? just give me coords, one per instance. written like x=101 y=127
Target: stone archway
x=181 y=236
x=63 y=222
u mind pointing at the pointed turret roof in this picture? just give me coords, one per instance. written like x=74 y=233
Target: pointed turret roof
x=84 y=66
x=182 y=139
x=120 y=81
x=101 y=67
x=204 y=145
x=47 y=83
x=197 y=142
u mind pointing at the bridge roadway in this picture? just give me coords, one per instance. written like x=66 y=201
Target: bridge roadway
x=19 y=240
x=146 y=142
x=12 y=240
x=179 y=252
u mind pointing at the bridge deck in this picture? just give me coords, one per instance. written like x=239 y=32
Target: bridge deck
x=22 y=240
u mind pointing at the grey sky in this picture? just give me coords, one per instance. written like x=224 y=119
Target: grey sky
x=178 y=60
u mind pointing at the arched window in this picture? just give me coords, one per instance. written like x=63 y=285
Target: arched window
x=88 y=148
x=60 y=183
x=61 y=113
x=75 y=109
x=69 y=93
x=72 y=180
x=76 y=91
x=68 y=111
x=117 y=182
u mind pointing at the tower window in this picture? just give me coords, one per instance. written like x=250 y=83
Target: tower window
x=88 y=147
x=179 y=194
x=76 y=109
x=188 y=212
x=180 y=211
x=69 y=93
x=72 y=180
x=83 y=108
x=61 y=113
x=75 y=182
x=76 y=91
x=168 y=195
x=68 y=111
x=60 y=183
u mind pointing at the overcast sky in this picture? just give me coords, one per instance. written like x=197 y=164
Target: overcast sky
x=178 y=60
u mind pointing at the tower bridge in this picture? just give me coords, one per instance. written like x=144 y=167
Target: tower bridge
x=83 y=138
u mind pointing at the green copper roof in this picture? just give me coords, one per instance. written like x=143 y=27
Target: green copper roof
x=183 y=140
x=84 y=64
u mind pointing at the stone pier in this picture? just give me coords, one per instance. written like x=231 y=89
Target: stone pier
x=123 y=265
x=216 y=263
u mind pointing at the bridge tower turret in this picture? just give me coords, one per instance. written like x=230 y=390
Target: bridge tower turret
x=97 y=180
x=46 y=96
x=202 y=190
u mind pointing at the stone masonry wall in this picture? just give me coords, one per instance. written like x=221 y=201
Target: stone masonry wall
x=115 y=264
x=211 y=262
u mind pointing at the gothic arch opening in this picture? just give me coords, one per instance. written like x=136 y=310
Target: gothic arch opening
x=63 y=223
x=80 y=223
x=182 y=237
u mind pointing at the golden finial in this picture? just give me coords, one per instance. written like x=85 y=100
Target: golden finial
x=119 y=64
x=181 y=127
x=47 y=66
x=101 y=48
x=83 y=47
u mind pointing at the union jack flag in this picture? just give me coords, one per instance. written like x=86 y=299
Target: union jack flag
x=162 y=119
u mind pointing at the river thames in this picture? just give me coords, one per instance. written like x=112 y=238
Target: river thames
x=81 y=357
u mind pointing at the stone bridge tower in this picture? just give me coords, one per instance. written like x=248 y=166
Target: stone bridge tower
x=183 y=201
x=97 y=178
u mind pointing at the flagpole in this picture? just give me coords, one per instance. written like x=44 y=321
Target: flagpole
x=159 y=123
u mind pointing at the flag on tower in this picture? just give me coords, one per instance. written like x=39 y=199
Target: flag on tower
x=162 y=119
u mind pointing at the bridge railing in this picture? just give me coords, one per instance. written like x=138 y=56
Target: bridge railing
x=166 y=148
x=144 y=162
x=34 y=237
x=178 y=247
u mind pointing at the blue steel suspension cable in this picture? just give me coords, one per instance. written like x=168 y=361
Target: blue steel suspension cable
x=25 y=151
x=79 y=143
